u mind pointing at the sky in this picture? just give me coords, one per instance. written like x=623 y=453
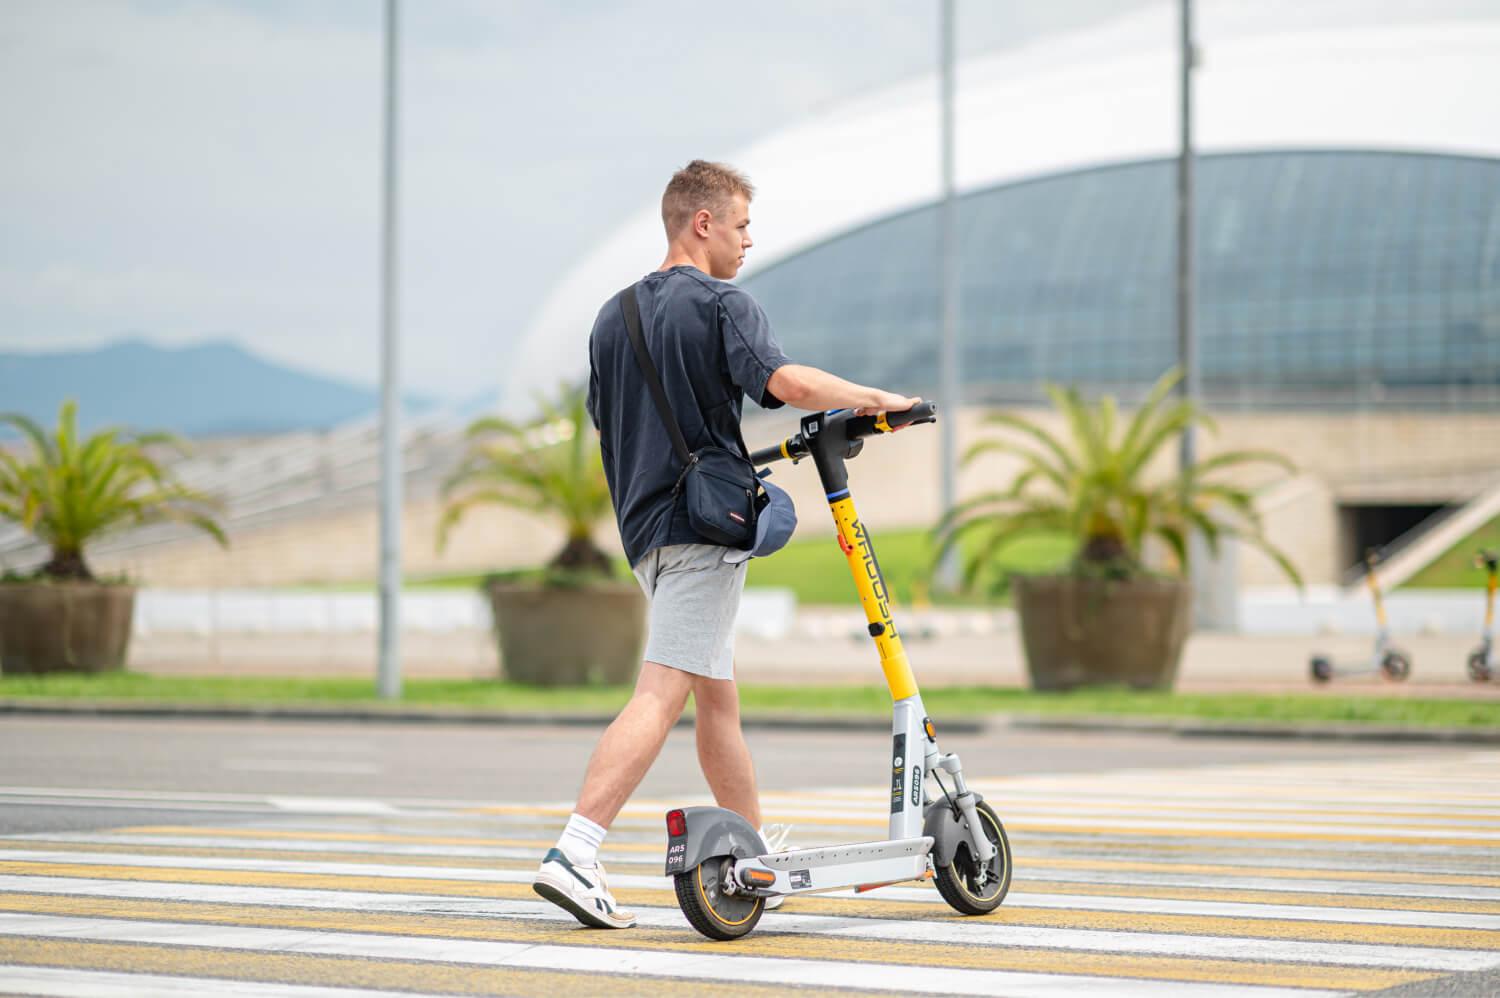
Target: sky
x=191 y=170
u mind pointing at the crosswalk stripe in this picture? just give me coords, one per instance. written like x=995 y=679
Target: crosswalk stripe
x=1319 y=831
x=62 y=978
x=23 y=861
x=415 y=852
x=808 y=918
x=1068 y=930
x=196 y=974
x=905 y=970
x=1256 y=880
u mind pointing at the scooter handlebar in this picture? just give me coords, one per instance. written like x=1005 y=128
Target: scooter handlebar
x=855 y=427
x=890 y=422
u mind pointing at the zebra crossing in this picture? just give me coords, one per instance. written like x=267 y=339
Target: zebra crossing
x=1259 y=880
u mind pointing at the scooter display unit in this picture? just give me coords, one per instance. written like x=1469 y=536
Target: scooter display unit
x=1386 y=659
x=1482 y=660
x=722 y=869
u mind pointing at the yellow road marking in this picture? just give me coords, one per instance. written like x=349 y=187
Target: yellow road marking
x=662 y=897
x=349 y=972
x=1254 y=896
x=1023 y=864
x=426 y=840
x=785 y=946
x=1027 y=827
x=1144 y=807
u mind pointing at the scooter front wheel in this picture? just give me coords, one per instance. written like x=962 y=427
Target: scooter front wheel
x=1396 y=666
x=964 y=885
x=1479 y=667
x=700 y=895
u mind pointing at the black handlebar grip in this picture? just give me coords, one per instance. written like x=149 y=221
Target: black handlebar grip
x=922 y=412
x=766 y=455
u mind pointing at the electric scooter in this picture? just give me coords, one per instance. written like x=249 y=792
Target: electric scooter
x=1391 y=662
x=1482 y=660
x=721 y=868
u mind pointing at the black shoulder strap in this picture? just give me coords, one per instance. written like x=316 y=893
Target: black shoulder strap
x=632 y=312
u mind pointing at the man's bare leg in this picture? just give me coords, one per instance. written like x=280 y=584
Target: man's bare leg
x=632 y=742
x=722 y=751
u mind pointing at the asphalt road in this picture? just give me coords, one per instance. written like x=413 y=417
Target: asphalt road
x=525 y=763
x=157 y=854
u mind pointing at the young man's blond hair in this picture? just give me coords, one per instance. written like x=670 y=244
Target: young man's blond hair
x=700 y=186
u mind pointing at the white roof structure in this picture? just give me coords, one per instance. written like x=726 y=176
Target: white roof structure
x=1272 y=75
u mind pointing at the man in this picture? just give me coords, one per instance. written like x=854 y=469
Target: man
x=712 y=344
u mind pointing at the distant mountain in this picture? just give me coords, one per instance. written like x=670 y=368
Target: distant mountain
x=203 y=390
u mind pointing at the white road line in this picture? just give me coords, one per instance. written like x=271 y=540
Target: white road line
x=336 y=766
x=53 y=982
x=380 y=901
x=332 y=805
x=415 y=804
x=1071 y=803
x=1363 y=888
x=676 y=964
x=852 y=926
x=1121 y=903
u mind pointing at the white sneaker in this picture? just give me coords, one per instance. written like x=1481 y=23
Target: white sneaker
x=776 y=839
x=582 y=891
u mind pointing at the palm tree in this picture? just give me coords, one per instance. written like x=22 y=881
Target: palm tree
x=1093 y=485
x=73 y=490
x=550 y=465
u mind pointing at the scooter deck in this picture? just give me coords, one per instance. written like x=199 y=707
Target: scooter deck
x=832 y=868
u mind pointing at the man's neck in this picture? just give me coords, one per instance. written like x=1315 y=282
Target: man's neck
x=681 y=256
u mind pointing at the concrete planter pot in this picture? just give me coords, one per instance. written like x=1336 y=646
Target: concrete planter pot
x=1091 y=632
x=64 y=627
x=569 y=637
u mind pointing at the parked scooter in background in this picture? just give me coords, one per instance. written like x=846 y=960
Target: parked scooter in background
x=1391 y=662
x=1482 y=662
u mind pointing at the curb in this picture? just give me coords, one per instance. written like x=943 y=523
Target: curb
x=1327 y=731
x=1178 y=727
x=430 y=715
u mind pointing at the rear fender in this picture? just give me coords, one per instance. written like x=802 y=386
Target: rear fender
x=711 y=831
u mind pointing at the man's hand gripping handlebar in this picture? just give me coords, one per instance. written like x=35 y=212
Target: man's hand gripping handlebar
x=854 y=427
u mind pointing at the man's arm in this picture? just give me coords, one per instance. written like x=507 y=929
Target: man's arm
x=814 y=389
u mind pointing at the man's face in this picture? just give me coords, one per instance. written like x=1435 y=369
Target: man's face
x=728 y=239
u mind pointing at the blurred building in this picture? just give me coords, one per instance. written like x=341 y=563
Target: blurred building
x=1348 y=296
x=1326 y=280
x=1348 y=233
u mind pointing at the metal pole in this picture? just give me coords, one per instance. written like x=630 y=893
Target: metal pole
x=948 y=379
x=389 y=680
x=1187 y=344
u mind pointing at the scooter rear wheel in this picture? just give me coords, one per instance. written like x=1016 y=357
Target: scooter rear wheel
x=717 y=915
x=958 y=882
x=1396 y=666
x=1321 y=669
x=1479 y=669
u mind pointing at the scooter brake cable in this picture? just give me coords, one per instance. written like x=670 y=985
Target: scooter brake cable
x=952 y=804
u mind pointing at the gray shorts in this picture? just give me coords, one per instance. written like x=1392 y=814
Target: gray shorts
x=694 y=596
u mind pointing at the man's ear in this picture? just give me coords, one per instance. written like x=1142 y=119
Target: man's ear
x=701 y=219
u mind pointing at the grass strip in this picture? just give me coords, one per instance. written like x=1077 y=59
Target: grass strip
x=844 y=701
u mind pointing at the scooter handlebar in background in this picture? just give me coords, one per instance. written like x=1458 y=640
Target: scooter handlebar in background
x=855 y=427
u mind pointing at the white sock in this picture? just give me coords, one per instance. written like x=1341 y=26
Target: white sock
x=580 y=840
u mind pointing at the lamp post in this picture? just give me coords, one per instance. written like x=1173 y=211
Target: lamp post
x=1187 y=344
x=389 y=670
x=948 y=378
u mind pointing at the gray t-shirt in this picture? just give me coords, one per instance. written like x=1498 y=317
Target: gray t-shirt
x=712 y=345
